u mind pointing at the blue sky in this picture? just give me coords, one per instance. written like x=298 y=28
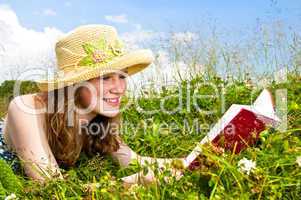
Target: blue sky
x=157 y=15
x=29 y=29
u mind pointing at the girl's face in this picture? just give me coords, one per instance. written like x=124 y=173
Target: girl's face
x=109 y=90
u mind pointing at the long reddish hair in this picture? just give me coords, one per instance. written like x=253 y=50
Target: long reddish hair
x=67 y=142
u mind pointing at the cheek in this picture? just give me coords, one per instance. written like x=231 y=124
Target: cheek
x=103 y=89
x=86 y=97
x=124 y=84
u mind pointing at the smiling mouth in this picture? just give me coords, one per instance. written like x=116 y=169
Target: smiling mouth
x=112 y=100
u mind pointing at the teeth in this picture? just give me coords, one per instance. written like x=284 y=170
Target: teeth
x=112 y=100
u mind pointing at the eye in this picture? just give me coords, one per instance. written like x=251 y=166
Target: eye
x=122 y=76
x=105 y=77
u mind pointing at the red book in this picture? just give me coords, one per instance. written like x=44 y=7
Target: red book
x=239 y=127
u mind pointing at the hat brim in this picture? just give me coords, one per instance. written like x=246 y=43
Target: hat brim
x=134 y=62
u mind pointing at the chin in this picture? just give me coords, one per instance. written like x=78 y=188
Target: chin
x=112 y=113
x=107 y=110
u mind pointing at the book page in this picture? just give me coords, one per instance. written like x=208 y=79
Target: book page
x=264 y=105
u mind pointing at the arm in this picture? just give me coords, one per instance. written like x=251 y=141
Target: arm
x=124 y=155
x=29 y=140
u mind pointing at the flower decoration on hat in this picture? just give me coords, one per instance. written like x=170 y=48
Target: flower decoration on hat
x=101 y=52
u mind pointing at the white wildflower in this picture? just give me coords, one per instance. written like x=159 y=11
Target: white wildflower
x=298 y=160
x=246 y=166
x=11 y=196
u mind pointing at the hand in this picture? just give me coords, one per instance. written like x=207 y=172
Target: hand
x=174 y=173
x=139 y=178
x=176 y=167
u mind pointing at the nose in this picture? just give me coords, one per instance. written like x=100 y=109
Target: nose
x=118 y=85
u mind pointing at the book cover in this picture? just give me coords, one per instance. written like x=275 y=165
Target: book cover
x=239 y=127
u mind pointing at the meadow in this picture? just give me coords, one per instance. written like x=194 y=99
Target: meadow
x=276 y=155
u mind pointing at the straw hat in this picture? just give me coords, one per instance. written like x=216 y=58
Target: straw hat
x=90 y=51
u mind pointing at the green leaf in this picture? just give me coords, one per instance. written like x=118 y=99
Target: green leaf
x=89 y=48
x=86 y=61
x=110 y=54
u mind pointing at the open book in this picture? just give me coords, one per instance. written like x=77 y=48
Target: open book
x=239 y=127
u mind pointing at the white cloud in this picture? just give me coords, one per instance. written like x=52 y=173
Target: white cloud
x=117 y=18
x=137 y=38
x=24 y=48
x=166 y=70
x=49 y=12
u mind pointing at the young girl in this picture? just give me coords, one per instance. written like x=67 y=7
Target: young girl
x=78 y=110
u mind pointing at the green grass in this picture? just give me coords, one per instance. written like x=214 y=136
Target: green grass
x=277 y=175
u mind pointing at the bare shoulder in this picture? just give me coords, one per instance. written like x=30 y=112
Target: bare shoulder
x=24 y=112
x=27 y=134
x=29 y=107
x=28 y=102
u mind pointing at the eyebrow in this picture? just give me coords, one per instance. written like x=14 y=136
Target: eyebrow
x=125 y=71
